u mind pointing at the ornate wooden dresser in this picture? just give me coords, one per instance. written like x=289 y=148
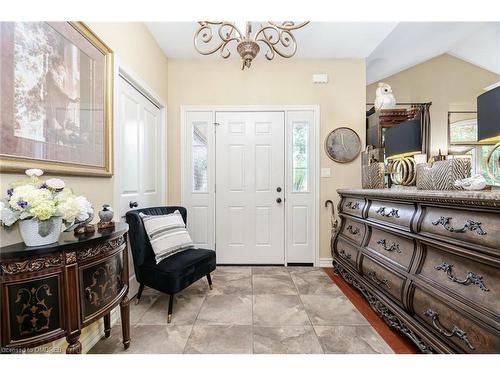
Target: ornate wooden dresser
x=53 y=291
x=428 y=263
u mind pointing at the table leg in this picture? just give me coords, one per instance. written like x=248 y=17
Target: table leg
x=75 y=346
x=107 y=325
x=125 y=317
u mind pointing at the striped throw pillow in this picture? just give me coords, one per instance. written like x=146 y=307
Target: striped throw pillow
x=167 y=233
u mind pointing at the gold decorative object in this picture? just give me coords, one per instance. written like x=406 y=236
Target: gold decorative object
x=276 y=37
x=403 y=171
x=490 y=161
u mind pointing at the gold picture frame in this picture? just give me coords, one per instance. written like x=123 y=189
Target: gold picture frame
x=12 y=163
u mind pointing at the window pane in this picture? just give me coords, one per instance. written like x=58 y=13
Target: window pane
x=300 y=159
x=200 y=157
x=494 y=170
x=463 y=131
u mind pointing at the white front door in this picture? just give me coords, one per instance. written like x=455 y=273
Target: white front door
x=139 y=166
x=250 y=183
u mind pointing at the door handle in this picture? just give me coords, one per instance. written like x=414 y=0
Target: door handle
x=278 y=189
x=278 y=200
x=133 y=204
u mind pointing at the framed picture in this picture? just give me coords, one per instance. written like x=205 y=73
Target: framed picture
x=56 y=84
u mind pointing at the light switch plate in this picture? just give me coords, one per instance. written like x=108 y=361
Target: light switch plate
x=326 y=172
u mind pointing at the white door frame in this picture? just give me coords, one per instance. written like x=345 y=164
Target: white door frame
x=261 y=108
x=123 y=71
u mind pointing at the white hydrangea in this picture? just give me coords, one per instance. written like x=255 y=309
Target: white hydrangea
x=85 y=208
x=55 y=183
x=33 y=172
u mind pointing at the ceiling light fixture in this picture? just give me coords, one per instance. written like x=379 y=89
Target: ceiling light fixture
x=276 y=37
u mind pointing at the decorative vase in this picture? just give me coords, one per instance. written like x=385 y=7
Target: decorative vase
x=38 y=233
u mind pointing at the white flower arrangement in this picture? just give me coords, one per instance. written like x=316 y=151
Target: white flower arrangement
x=43 y=200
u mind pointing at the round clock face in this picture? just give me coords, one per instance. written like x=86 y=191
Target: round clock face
x=343 y=145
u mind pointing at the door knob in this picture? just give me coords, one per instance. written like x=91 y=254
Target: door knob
x=133 y=204
x=278 y=189
x=278 y=200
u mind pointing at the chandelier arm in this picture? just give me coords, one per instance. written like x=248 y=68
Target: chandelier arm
x=225 y=53
x=270 y=49
x=205 y=35
x=232 y=28
x=284 y=38
x=288 y=25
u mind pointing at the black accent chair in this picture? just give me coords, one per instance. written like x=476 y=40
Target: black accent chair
x=172 y=274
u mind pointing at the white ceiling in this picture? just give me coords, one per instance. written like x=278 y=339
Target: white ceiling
x=389 y=47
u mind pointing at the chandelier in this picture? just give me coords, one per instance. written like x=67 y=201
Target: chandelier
x=276 y=37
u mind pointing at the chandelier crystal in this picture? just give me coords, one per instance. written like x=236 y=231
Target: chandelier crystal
x=275 y=37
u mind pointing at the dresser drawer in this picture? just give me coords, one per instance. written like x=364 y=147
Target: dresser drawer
x=474 y=281
x=397 y=248
x=385 y=280
x=353 y=206
x=476 y=227
x=346 y=251
x=354 y=230
x=396 y=214
x=101 y=283
x=451 y=325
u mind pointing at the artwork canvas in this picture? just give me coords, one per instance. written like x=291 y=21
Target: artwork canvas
x=55 y=104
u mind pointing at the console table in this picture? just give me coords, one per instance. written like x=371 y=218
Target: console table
x=53 y=291
x=428 y=262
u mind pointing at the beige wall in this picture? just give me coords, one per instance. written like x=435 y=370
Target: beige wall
x=221 y=82
x=149 y=63
x=449 y=83
x=138 y=50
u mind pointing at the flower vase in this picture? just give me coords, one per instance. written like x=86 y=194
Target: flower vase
x=38 y=233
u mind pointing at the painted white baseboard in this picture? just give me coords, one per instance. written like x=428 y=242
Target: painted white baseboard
x=93 y=337
x=325 y=262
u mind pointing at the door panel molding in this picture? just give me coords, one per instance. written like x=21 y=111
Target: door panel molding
x=311 y=113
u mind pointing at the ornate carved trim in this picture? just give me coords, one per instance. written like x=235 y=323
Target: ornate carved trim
x=382 y=310
x=405 y=197
x=32 y=265
x=71 y=257
x=91 y=252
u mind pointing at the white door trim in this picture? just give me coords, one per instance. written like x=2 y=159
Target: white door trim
x=264 y=108
x=122 y=70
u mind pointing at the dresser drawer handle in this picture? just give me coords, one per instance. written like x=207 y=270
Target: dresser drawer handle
x=351 y=230
x=394 y=246
x=471 y=277
x=344 y=255
x=455 y=331
x=392 y=213
x=352 y=205
x=384 y=282
x=470 y=225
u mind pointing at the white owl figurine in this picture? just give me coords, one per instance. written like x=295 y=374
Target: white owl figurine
x=384 y=99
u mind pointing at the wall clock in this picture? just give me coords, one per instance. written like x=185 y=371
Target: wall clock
x=343 y=145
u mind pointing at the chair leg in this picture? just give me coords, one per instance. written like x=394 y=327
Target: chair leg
x=170 y=308
x=209 y=279
x=139 y=294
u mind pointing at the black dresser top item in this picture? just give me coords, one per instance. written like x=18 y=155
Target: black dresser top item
x=67 y=241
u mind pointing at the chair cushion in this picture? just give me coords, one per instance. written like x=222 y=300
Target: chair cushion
x=178 y=271
x=167 y=234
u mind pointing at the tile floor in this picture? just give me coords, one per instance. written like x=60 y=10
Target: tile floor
x=250 y=310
